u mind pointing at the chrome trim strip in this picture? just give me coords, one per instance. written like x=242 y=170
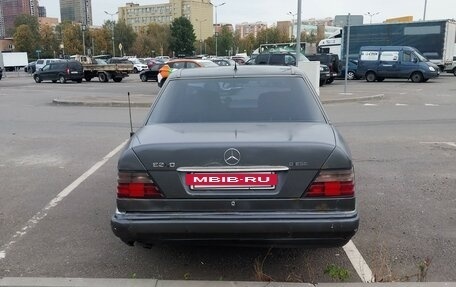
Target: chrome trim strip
x=232 y=169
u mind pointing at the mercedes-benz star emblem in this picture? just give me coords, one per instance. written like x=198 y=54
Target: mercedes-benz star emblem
x=232 y=156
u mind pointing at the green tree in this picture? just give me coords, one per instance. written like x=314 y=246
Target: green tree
x=31 y=21
x=160 y=36
x=23 y=40
x=72 y=38
x=225 y=42
x=124 y=34
x=182 y=36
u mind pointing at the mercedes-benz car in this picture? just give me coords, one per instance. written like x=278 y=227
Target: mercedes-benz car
x=237 y=154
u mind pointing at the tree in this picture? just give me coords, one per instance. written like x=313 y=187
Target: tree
x=101 y=40
x=23 y=39
x=31 y=21
x=72 y=38
x=160 y=35
x=182 y=36
x=48 y=44
x=225 y=42
x=124 y=34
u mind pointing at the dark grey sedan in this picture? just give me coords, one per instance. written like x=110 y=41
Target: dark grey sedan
x=242 y=155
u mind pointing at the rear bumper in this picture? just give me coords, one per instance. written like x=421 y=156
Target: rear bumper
x=287 y=229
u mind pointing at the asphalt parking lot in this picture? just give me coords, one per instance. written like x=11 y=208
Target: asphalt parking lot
x=58 y=169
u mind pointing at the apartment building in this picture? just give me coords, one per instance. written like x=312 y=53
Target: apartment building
x=200 y=14
x=10 y=9
x=244 y=29
x=77 y=11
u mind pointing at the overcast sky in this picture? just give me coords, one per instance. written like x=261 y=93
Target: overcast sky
x=270 y=11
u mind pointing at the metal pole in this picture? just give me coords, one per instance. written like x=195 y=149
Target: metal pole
x=298 y=33
x=216 y=33
x=425 y=7
x=83 y=41
x=347 y=54
x=112 y=38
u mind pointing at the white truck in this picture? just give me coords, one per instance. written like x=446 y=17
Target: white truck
x=11 y=61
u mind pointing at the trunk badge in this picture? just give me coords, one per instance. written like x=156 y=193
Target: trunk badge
x=232 y=156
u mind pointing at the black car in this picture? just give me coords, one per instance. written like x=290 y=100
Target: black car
x=240 y=155
x=289 y=59
x=330 y=60
x=30 y=68
x=151 y=73
x=1 y=73
x=69 y=70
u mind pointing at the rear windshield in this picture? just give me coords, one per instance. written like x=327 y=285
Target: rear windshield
x=262 y=99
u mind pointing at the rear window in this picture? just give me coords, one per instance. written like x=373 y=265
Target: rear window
x=259 y=99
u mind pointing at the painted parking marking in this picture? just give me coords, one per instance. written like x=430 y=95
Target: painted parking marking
x=401 y=105
x=32 y=222
x=358 y=262
x=370 y=105
x=452 y=144
x=432 y=105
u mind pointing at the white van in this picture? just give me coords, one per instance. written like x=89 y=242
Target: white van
x=40 y=63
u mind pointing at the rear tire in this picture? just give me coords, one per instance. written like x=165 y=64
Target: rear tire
x=454 y=72
x=135 y=71
x=62 y=80
x=103 y=77
x=416 y=77
x=371 y=77
x=54 y=81
x=117 y=80
x=79 y=81
x=330 y=80
x=37 y=79
x=351 y=75
x=143 y=78
x=88 y=79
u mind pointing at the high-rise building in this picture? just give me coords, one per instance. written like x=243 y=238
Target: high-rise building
x=10 y=9
x=200 y=14
x=41 y=11
x=77 y=11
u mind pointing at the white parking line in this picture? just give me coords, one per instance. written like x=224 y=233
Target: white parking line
x=401 y=105
x=32 y=222
x=431 y=105
x=453 y=144
x=358 y=262
x=370 y=105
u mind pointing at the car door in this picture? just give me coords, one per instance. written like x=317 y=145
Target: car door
x=389 y=64
x=408 y=63
x=45 y=72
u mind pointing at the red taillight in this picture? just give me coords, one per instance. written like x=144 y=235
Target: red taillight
x=136 y=185
x=333 y=183
x=68 y=71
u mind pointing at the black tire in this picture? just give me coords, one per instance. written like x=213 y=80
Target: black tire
x=103 y=77
x=417 y=77
x=37 y=79
x=54 y=81
x=380 y=79
x=88 y=79
x=135 y=70
x=117 y=80
x=160 y=84
x=371 y=77
x=351 y=75
x=143 y=78
x=62 y=79
x=79 y=81
x=454 y=72
x=330 y=80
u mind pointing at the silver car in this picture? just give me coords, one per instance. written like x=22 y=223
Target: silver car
x=238 y=154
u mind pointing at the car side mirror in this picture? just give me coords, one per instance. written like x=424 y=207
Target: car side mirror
x=41 y=69
x=415 y=60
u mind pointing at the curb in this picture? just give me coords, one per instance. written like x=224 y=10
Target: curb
x=90 y=103
x=100 y=282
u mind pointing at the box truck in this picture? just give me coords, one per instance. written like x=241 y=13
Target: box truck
x=11 y=61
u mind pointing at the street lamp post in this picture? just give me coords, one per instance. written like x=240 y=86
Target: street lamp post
x=201 y=35
x=292 y=22
x=425 y=7
x=112 y=37
x=371 y=15
x=216 y=33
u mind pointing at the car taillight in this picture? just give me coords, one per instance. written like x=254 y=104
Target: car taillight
x=136 y=185
x=333 y=183
x=68 y=71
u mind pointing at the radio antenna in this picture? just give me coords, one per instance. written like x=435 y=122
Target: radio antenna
x=129 y=111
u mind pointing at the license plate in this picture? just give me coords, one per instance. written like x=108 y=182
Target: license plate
x=254 y=180
x=75 y=72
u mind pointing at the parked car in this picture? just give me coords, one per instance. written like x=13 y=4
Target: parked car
x=352 y=68
x=1 y=73
x=330 y=60
x=138 y=66
x=167 y=69
x=30 y=68
x=151 y=73
x=62 y=71
x=289 y=59
x=251 y=159
x=224 y=62
x=40 y=63
x=152 y=62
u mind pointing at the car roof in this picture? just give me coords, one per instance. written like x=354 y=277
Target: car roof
x=238 y=70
